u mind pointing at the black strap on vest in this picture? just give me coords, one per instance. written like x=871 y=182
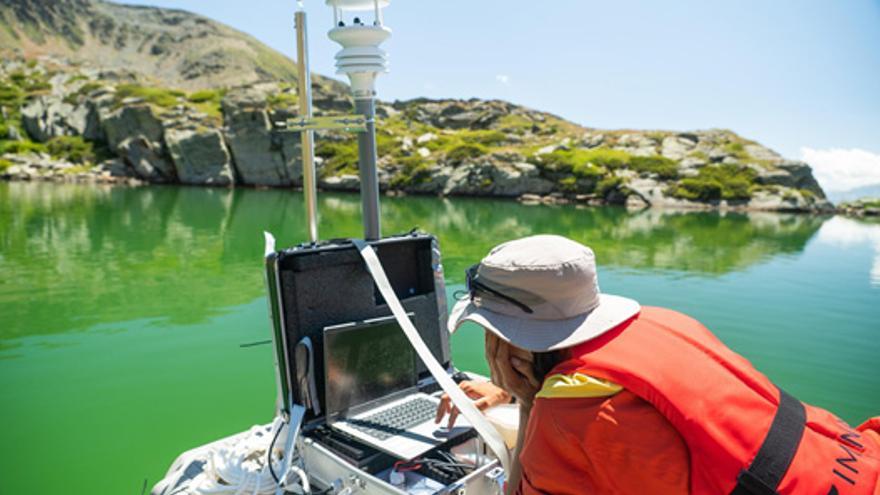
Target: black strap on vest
x=776 y=453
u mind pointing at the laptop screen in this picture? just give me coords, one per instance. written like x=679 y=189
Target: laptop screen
x=364 y=362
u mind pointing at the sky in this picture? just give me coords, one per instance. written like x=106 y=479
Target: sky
x=800 y=76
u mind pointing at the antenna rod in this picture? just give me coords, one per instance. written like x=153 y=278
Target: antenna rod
x=304 y=80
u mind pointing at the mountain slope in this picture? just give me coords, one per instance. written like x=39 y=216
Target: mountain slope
x=176 y=48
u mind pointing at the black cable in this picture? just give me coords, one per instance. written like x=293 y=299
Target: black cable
x=269 y=455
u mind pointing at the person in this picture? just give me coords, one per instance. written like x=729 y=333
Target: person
x=616 y=398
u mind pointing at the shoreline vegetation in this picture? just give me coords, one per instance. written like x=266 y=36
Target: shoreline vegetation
x=92 y=91
x=69 y=122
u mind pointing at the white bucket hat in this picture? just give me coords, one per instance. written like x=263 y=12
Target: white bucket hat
x=540 y=293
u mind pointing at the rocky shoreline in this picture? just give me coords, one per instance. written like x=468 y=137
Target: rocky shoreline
x=66 y=122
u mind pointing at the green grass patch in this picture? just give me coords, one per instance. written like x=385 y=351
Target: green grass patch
x=517 y=124
x=414 y=170
x=597 y=161
x=340 y=157
x=608 y=184
x=699 y=155
x=77 y=169
x=21 y=147
x=283 y=100
x=161 y=97
x=730 y=182
x=661 y=166
x=71 y=148
x=209 y=102
x=466 y=151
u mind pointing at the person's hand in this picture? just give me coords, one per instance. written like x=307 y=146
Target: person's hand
x=485 y=395
x=511 y=369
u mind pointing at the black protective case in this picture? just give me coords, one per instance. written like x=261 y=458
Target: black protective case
x=313 y=286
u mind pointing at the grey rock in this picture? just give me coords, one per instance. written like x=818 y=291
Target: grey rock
x=344 y=182
x=199 y=157
x=676 y=147
x=593 y=140
x=131 y=122
x=147 y=161
x=759 y=152
x=258 y=156
x=513 y=180
x=802 y=177
x=426 y=138
x=45 y=117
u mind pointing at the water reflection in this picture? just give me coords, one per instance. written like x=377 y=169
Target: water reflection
x=847 y=233
x=73 y=256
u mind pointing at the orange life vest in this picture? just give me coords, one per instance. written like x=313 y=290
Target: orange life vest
x=724 y=408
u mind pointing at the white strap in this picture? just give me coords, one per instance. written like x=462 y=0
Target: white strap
x=488 y=432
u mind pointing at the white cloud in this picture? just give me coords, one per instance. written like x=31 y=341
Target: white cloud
x=503 y=79
x=841 y=169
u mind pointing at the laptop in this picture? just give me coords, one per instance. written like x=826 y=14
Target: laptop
x=371 y=391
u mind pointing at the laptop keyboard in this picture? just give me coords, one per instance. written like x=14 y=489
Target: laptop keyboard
x=397 y=419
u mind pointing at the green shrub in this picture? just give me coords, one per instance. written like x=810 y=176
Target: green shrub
x=4 y=165
x=568 y=160
x=283 y=100
x=11 y=96
x=339 y=157
x=414 y=170
x=20 y=147
x=71 y=148
x=568 y=184
x=161 y=97
x=204 y=95
x=608 y=184
x=486 y=138
x=587 y=171
x=662 y=166
x=466 y=150
x=717 y=182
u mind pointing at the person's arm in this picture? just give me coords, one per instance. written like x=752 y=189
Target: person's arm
x=515 y=375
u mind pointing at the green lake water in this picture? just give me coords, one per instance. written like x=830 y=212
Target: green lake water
x=122 y=310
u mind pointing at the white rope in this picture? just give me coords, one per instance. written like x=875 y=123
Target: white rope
x=240 y=468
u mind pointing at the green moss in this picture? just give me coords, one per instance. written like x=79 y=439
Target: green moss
x=465 y=151
x=77 y=169
x=738 y=150
x=4 y=165
x=661 y=166
x=807 y=194
x=699 y=155
x=517 y=124
x=283 y=100
x=209 y=102
x=730 y=182
x=568 y=160
x=340 y=157
x=161 y=97
x=71 y=148
x=21 y=147
x=608 y=184
x=568 y=184
x=413 y=170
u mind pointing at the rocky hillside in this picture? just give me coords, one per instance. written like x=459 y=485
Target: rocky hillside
x=72 y=122
x=172 y=48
